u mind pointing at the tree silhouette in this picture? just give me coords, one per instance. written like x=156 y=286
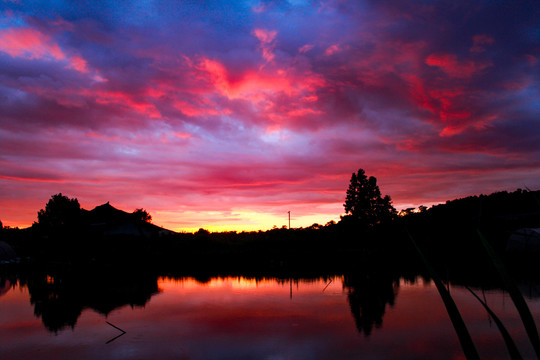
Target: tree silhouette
x=202 y=232
x=59 y=213
x=364 y=201
x=143 y=215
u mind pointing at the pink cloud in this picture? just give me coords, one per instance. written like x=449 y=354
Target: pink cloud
x=304 y=49
x=332 y=50
x=102 y=137
x=29 y=43
x=79 y=64
x=310 y=98
x=266 y=37
x=303 y=112
x=32 y=44
x=192 y=110
x=182 y=135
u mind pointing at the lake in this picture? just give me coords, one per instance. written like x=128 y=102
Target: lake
x=45 y=316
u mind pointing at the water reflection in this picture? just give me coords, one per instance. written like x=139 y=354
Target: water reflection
x=7 y=283
x=59 y=298
x=366 y=315
x=368 y=296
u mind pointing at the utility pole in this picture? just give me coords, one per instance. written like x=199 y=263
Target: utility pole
x=289 y=220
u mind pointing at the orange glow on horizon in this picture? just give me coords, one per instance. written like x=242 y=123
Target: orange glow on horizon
x=248 y=221
x=243 y=220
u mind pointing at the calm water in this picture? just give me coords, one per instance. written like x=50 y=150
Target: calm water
x=241 y=318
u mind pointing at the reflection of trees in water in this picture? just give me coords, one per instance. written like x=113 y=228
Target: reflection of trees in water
x=368 y=295
x=59 y=299
x=7 y=283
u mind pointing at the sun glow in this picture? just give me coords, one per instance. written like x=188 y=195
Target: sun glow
x=245 y=220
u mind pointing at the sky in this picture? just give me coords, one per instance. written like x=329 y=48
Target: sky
x=225 y=115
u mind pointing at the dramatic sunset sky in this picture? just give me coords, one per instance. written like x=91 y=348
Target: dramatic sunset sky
x=227 y=114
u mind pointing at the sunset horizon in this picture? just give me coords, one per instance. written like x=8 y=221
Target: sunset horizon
x=264 y=222
x=227 y=116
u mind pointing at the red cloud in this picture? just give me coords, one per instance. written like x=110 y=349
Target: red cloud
x=450 y=106
x=119 y=98
x=452 y=67
x=257 y=86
